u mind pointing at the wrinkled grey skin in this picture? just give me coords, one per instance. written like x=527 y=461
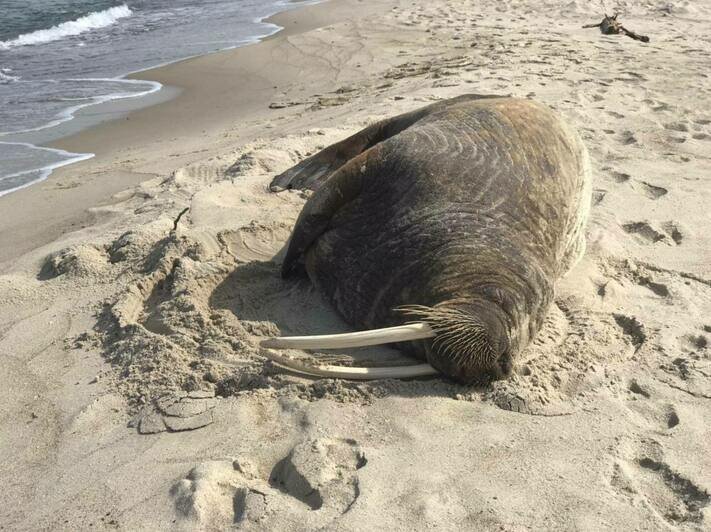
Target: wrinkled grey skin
x=473 y=207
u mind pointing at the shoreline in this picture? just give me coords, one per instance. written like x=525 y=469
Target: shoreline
x=79 y=118
x=45 y=171
x=76 y=119
x=59 y=203
x=70 y=120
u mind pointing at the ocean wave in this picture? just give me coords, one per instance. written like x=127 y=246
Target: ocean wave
x=25 y=178
x=92 y=21
x=5 y=76
x=68 y=114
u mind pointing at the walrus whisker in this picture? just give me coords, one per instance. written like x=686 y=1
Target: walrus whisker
x=458 y=336
x=388 y=335
x=352 y=373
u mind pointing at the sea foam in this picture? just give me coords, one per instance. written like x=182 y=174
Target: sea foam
x=92 y=21
x=24 y=178
x=5 y=76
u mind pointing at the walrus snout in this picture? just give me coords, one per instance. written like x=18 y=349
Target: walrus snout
x=468 y=343
x=471 y=342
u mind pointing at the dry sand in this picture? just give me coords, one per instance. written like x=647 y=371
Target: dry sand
x=133 y=394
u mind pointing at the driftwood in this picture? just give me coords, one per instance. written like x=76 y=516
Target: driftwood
x=177 y=220
x=611 y=26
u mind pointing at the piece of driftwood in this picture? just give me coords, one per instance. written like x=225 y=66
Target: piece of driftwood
x=611 y=26
x=177 y=220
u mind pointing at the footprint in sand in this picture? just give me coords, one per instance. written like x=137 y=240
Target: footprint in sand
x=659 y=289
x=621 y=273
x=643 y=476
x=315 y=483
x=658 y=106
x=660 y=417
x=694 y=342
x=628 y=138
x=672 y=418
x=652 y=191
x=646 y=233
x=672 y=229
x=681 y=127
x=687 y=367
x=321 y=473
x=620 y=177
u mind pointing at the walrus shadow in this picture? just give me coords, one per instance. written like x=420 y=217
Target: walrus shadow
x=256 y=295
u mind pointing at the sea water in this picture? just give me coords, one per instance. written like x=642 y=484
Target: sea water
x=59 y=56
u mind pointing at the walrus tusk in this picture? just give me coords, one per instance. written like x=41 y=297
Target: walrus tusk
x=389 y=335
x=358 y=373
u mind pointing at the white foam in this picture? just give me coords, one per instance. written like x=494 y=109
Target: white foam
x=45 y=171
x=5 y=77
x=68 y=113
x=92 y=21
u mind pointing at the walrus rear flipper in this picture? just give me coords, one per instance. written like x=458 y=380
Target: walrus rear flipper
x=313 y=171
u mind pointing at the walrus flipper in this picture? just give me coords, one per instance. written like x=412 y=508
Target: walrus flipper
x=313 y=171
x=342 y=187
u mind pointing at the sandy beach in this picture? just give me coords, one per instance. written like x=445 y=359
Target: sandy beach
x=135 y=287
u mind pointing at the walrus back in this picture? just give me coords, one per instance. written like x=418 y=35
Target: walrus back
x=315 y=170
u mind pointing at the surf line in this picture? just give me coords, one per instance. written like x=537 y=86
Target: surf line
x=90 y=21
x=43 y=171
x=69 y=113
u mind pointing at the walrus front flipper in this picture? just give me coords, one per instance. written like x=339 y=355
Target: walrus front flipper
x=313 y=171
x=342 y=187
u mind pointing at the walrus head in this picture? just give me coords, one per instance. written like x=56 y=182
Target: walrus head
x=467 y=341
x=470 y=342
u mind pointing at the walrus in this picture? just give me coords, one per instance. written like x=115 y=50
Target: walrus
x=446 y=229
